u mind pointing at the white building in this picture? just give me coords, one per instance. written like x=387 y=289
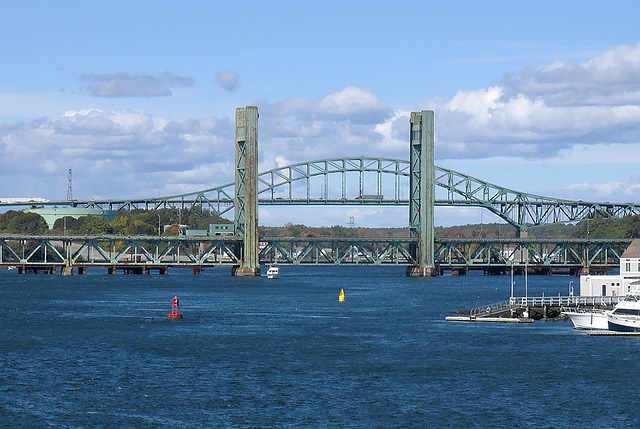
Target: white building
x=619 y=284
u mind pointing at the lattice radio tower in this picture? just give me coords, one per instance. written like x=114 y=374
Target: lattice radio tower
x=69 y=188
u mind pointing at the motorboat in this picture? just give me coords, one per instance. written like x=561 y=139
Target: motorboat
x=588 y=318
x=625 y=316
x=273 y=272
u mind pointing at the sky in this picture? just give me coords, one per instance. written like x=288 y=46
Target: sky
x=138 y=98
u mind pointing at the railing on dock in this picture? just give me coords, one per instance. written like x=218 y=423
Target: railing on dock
x=542 y=301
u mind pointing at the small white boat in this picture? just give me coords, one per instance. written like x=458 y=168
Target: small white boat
x=588 y=319
x=625 y=316
x=273 y=272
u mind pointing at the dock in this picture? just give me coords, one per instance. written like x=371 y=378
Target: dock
x=522 y=309
x=489 y=319
x=613 y=334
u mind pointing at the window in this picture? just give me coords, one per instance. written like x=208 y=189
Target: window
x=627 y=311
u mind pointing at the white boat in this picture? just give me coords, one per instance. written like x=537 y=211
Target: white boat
x=273 y=272
x=588 y=318
x=625 y=316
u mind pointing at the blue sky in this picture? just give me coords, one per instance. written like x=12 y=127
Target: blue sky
x=139 y=97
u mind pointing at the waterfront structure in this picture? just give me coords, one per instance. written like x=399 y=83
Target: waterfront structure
x=620 y=284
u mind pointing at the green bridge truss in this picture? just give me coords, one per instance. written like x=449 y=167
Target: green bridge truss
x=377 y=181
x=456 y=254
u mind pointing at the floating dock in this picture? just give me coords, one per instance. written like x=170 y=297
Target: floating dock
x=489 y=319
x=614 y=334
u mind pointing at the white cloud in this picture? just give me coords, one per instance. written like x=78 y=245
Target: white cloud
x=354 y=104
x=342 y=123
x=394 y=132
x=540 y=111
x=228 y=80
x=622 y=191
x=117 y=154
x=608 y=79
x=351 y=101
x=122 y=84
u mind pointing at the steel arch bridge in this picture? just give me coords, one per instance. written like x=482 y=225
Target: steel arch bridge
x=377 y=181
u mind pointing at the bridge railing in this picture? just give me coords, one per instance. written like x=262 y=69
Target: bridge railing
x=566 y=301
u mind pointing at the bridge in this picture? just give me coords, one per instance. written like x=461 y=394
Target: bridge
x=416 y=183
x=146 y=254
x=342 y=181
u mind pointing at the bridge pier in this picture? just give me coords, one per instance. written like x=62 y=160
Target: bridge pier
x=246 y=191
x=422 y=194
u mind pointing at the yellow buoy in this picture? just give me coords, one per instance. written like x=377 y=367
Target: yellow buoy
x=341 y=297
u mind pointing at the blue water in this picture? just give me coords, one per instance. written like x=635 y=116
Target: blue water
x=99 y=351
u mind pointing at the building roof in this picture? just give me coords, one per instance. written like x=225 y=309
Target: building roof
x=633 y=251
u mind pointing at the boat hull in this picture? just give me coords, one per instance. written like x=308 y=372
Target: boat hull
x=619 y=324
x=588 y=319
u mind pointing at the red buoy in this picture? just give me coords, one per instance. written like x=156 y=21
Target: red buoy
x=175 y=309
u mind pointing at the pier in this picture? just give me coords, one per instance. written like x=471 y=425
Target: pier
x=532 y=308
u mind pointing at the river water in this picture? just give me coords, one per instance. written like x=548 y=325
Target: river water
x=99 y=351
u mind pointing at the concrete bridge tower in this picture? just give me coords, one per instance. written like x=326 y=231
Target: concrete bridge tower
x=246 y=191
x=422 y=193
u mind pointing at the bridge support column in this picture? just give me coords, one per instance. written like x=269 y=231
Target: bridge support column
x=246 y=192
x=422 y=193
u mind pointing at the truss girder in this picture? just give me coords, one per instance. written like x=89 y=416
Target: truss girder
x=115 y=250
x=535 y=252
x=190 y=251
x=292 y=185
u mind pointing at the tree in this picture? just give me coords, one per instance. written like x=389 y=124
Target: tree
x=68 y=225
x=27 y=223
x=97 y=225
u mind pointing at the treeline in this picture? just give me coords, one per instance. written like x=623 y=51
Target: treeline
x=626 y=227
x=299 y=230
x=153 y=222
x=128 y=222
x=502 y=230
x=17 y=222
